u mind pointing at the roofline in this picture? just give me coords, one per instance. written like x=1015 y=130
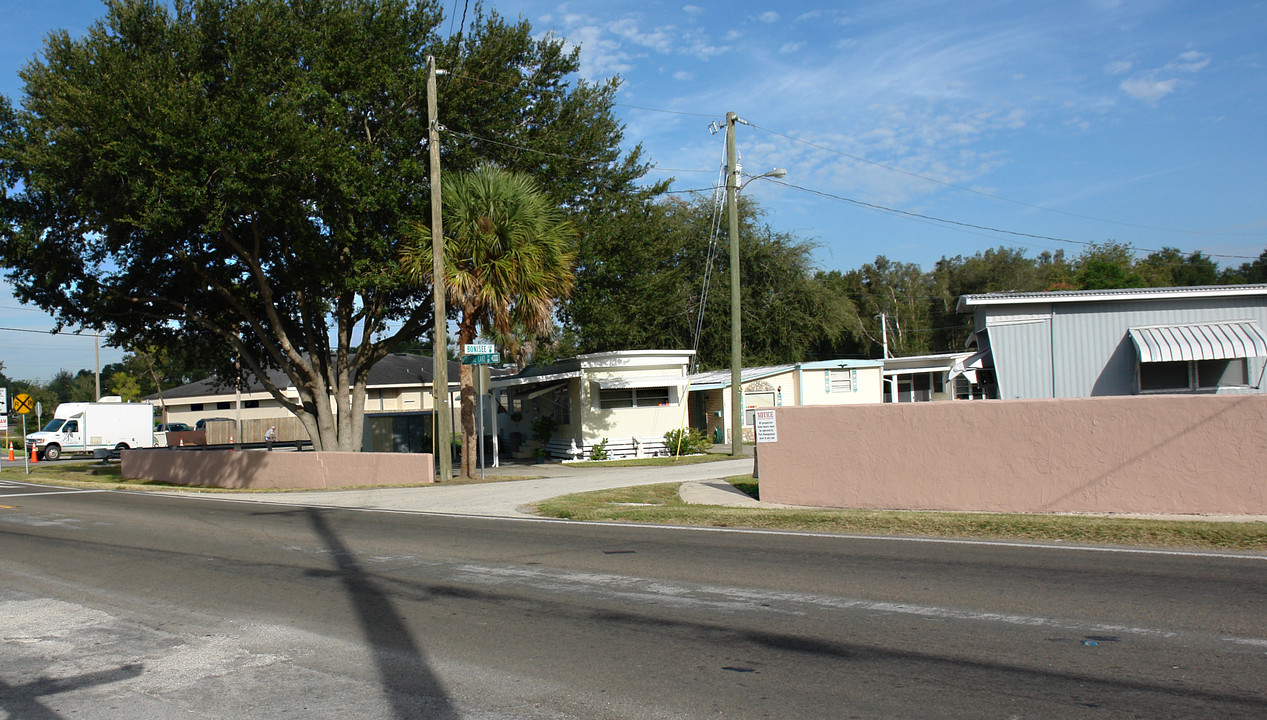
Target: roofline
x=967 y=302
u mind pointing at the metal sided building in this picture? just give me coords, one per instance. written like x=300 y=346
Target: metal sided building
x=1119 y=342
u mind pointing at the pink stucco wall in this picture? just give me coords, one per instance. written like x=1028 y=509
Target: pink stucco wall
x=1158 y=454
x=271 y=470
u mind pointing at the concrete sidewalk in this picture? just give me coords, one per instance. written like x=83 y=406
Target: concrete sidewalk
x=702 y=484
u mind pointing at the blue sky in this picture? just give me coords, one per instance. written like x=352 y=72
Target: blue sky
x=1081 y=121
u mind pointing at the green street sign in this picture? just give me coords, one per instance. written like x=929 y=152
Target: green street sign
x=482 y=359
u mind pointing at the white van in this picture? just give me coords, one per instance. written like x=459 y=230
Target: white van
x=81 y=428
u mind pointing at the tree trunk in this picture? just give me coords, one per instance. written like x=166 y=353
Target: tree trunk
x=466 y=383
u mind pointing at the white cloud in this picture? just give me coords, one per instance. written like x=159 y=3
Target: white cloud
x=1119 y=67
x=791 y=47
x=658 y=39
x=1190 y=61
x=600 y=57
x=683 y=76
x=811 y=15
x=692 y=9
x=1151 y=86
x=768 y=17
x=1148 y=89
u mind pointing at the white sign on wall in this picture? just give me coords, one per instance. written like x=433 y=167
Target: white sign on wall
x=767 y=430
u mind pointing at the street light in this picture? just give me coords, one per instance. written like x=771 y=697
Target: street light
x=733 y=185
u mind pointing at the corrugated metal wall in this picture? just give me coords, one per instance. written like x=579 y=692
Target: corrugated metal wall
x=1022 y=357
x=1096 y=357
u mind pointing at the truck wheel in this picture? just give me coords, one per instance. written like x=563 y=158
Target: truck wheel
x=52 y=452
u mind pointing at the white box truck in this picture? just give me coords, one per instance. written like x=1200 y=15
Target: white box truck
x=83 y=427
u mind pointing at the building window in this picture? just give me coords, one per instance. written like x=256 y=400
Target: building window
x=612 y=399
x=1192 y=375
x=965 y=389
x=634 y=397
x=196 y=407
x=841 y=382
x=250 y=404
x=561 y=399
x=223 y=405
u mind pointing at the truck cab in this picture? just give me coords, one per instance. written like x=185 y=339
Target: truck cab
x=58 y=436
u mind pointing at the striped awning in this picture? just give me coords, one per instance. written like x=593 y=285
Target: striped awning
x=1206 y=341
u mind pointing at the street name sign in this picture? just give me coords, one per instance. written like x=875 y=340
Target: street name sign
x=488 y=358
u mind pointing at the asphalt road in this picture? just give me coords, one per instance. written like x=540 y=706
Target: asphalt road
x=142 y=605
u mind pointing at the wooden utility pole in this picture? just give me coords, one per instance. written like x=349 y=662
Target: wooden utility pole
x=440 y=351
x=736 y=343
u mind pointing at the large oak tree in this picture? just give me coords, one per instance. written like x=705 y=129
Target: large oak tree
x=233 y=178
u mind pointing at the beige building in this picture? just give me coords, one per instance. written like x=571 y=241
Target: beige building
x=632 y=398
x=398 y=406
x=826 y=382
x=924 y=378
x=629 y=398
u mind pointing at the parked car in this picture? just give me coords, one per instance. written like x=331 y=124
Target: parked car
x=173 y=427
x=202 y=424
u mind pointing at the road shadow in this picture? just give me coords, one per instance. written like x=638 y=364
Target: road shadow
x=23 y=701
x=408 y=682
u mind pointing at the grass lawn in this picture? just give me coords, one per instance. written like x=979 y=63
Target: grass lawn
x=660 y=504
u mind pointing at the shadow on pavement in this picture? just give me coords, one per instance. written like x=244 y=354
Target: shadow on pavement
x=22 y=701
x=410 y=686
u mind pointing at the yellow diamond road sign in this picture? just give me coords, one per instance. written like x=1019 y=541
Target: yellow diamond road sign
x=23 y=404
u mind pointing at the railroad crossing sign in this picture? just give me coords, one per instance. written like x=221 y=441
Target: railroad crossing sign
x=23 y=404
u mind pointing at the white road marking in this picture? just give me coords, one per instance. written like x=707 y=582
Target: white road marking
x=730 y=599
x=53 y=492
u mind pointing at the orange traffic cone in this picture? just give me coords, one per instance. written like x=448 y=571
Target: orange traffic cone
x=11 y=457
x=34 y=459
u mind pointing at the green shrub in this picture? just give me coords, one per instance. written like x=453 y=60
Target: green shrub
x=543 y=429
x=688 y=441
x=599 y=451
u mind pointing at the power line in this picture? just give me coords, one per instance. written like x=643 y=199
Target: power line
x=933 y=218
x=912 y=215
x=50 y=333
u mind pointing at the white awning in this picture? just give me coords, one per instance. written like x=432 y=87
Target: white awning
x=640 y=381
x=1208 y=341
x=532 y=380
x=968 y=366
x=917 y=370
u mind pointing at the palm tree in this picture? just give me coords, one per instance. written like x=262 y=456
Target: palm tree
x=508 y=256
